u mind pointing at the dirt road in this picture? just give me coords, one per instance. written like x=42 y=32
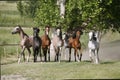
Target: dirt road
x=108 y=51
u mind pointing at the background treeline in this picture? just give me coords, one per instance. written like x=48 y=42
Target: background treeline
x=103 y=14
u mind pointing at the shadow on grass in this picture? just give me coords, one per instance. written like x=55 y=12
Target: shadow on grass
x=108 y=62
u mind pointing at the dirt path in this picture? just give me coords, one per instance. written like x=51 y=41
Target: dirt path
x=108 y=51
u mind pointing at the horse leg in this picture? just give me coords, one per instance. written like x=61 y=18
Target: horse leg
x=20 y=55
x=96 y=57
x=24 y=56
x=45 y=54
x=49 y=53
x=57 y=54
x=60 y=50
x=80 y=54
x=75 y=54
x=40 y=54
x=35 y=54
x=69 y=54
x=90 y=55
x=29 y=51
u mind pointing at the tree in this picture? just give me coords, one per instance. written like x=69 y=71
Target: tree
x=47 y=13
x=28 y=8
x=102 y=14
x=20 y=7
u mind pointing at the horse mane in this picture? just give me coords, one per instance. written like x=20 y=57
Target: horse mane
x=22 y=30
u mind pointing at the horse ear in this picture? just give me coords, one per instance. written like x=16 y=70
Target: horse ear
x=38 y=29
x=19 y=26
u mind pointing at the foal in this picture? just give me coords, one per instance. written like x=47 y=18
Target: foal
x=57 y=43
x=36 y=44
x=93 y=45
x=73 y=42
x=26 y=42
x=46 y=43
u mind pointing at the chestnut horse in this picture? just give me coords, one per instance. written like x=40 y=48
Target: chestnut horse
x=73 y=42
x=46 y=43
x=26 y=42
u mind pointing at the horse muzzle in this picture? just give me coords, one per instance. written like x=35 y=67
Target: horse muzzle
x=13 y=32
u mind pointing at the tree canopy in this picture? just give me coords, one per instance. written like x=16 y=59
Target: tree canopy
x=103 y=14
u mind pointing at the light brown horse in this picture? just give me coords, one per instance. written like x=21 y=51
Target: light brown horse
x=46 y=43
x=26 y=42
x=74 y=42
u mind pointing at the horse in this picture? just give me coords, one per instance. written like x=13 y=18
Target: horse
x=26 y=42
x=36 y=44
x=46 y=43
x=93 y=45
x=72 y=41
x=57 y=43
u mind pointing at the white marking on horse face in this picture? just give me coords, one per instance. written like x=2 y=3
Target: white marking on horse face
x=90 y=35
x=58 y=32
x=47 y=31
x=15 y=30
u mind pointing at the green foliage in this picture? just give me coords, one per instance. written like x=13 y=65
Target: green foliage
x=10 y=16
x=27 y=8
x=47 y=13
x=104 y=14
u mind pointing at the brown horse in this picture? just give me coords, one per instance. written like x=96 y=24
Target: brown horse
x=46 y=43
x=26 y=42
x=73 y=42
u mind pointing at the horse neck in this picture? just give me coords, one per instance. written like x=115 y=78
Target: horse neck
x=22 y=34
x=77 y=37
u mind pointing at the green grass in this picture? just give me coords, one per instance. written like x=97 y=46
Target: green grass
x=63 y=70
x=9 y=16
x=9 y=54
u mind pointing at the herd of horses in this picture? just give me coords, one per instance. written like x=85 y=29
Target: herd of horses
x=60 y=41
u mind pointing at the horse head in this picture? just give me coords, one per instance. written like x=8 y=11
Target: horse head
x=59 y=32
x=36 y=31
x=92 y=36
x=17 y=29
x=47 y=29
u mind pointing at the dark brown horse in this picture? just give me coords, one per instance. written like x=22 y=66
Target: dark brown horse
x=46 y=43
x=73 y=42
x=26 y=42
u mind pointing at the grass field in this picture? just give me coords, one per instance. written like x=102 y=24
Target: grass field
x=10 y=70
x=9 y=15
x=63 y=70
